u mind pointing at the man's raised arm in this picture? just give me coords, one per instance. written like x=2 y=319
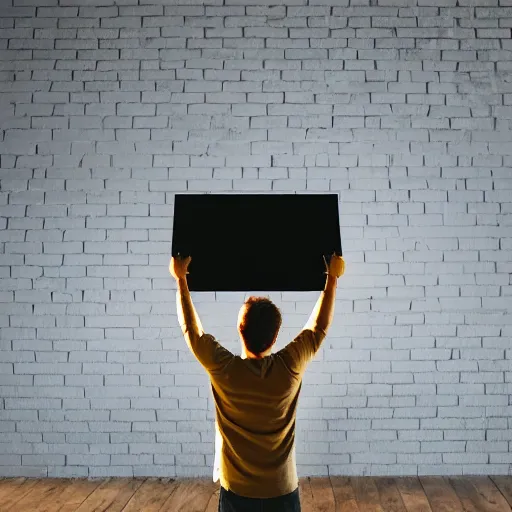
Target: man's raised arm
x=302 y=349
x=323 y=312
x=211 y=354
x=187 y=314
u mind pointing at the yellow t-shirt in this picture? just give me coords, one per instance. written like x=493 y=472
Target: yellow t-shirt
x=256 y=404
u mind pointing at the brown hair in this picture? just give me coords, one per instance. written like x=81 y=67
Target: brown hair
x=260 y=324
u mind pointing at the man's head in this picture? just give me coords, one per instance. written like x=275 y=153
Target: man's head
x=259 y=321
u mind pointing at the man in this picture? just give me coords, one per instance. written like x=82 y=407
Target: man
x=256 y=395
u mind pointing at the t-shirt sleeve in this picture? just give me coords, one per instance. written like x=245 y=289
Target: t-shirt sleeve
x=210 y=353
x=298 y=353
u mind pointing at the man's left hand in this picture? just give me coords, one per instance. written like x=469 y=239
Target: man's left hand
x=178 y=267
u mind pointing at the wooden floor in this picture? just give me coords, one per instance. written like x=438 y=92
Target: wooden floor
x=327 y=494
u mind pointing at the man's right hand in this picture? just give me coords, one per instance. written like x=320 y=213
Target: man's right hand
x=336 y=265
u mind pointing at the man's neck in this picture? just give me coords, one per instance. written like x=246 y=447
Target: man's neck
x=248 y=355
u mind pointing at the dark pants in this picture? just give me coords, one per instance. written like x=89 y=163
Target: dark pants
x=231 y=502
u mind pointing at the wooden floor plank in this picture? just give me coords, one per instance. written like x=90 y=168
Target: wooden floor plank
x=7 y=485
x=390 y=499
x=466 y=493
x=344 y=496
x=213 y=504
x=306 y=494
x=75 y=494
x=191 y=495
x=111 y=495
x=412 y=494
x=18 y=493
x=151 y=495
x=440 y=494
x=52 y=500
x=491 y=498
x=367 y=495
x=504 y=484
x=323 y=496
x=43 y=491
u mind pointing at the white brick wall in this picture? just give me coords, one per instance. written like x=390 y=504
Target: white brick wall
x=109 y=107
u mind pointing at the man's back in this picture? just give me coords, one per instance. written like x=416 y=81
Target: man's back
x=256 y=404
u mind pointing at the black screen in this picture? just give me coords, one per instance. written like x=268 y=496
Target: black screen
x=256 y=242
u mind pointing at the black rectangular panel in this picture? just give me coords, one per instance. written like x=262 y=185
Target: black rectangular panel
x=256 y=242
